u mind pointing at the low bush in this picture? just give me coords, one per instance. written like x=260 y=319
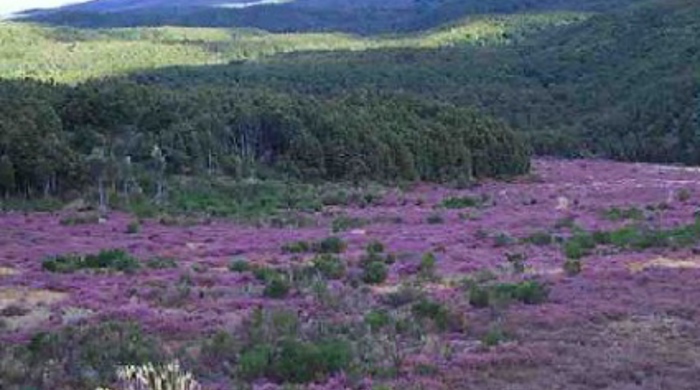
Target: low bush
x=331 y=267
x=296 y=247
x=621 y=214
x=82 y=357
x=133 y=227
x=463 y=202
x=375 y=272
x=375 y=246
x=377 y=319
x=344 y=223
x=427 y=266
x=436 y=312
x=110 y=259
x=294 y=361
x=330 y=245
x=239 y=265
x=528 y=292
x=541 y=238
x=161 y=263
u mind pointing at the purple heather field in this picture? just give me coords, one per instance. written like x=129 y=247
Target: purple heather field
x=628 y=320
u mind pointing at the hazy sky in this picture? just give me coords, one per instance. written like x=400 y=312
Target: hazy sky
x=9 y=6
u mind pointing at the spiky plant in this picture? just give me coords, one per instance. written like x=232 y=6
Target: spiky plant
x=153 y=377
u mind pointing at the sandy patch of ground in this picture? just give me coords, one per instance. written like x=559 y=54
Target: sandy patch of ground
x=5 y=271
x=33 y=306
x=664 y=262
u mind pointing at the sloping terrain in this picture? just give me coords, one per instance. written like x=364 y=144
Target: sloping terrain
x=583 y=275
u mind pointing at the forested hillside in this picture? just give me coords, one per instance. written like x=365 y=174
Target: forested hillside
x=620 y=80
x=365 y=17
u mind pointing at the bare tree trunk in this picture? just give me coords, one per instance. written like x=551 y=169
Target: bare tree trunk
x=103 y=196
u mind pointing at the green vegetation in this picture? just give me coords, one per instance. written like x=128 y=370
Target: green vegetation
x=540 y=238
x=463 y=202
x=529 y=292
x=329 y=245
x=145 y=139
x=344 y=223
x=374 y=272
x=143 y=110
x=112 y=259
x=276 y=288
x=296 y=247
x=239 y=265
x=620 y=214
x=632 y=237
x=161 y=263
x=133 y=227
x=331 y=267
x=427 y=266
x=436 y=312
x=69 y=54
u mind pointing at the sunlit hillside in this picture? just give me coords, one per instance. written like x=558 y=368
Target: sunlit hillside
x=70 y=55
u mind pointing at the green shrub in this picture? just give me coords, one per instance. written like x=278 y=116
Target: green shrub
x=621 y=214
x=494 y=337
x=345 y=223
x=255 y=362
x=377 y=319
x=293 y=361
x=541 y=238
x=80 y=219
x=375 y=273
x=602 y=237
x=265 y=274
x=375 y=246
x=463 y=202
x=161 y=263
x=531 y=292
x=434 y=311
x=133 y=227
x=300 y=362
x=427 y=265
x=479 y=296
x=97 y=349
x=239 y=265
x=110 y=259
x=528 y=292
x=276 y=288
x=331 y=267
x=330 y=245
x=296 y=247
x=575 y=250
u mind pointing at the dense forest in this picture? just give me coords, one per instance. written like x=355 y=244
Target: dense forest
x=450 y=98
x=54 y=139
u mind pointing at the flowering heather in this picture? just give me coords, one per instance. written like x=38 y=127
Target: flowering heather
x=456 y=310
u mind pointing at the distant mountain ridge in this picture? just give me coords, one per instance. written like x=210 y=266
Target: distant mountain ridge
x=354 y=16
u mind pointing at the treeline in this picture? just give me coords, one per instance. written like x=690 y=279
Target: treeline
x=623 y=85
x=362 y=17
x=56 y=139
